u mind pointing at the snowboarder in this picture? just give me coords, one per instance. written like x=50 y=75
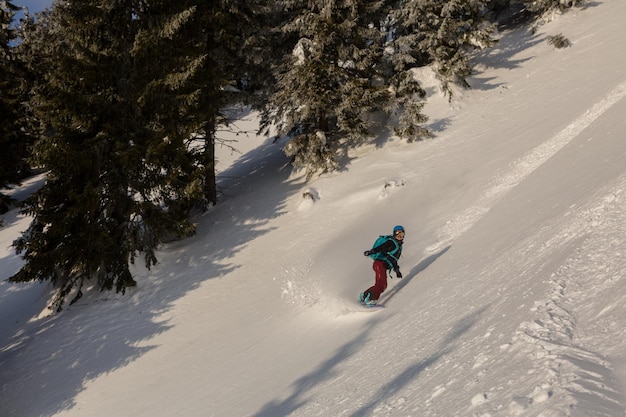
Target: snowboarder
x=386 y=252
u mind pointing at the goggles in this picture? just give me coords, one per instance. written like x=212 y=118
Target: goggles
x=399 y=234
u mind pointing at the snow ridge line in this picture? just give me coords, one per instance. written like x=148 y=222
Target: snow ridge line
x=522 y=168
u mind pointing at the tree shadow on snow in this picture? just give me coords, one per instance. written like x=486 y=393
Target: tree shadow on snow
x=57 y=356
x=425 y=263
x=411 y=373
x=503 y=55
x=328 y=372
x=325 y=372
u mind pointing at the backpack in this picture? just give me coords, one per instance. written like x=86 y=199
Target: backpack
x=379 y=241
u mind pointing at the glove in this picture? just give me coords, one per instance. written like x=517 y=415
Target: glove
x=368 y=253
x=398 y=273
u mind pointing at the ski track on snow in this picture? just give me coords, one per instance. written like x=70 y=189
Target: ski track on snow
x=522 y=168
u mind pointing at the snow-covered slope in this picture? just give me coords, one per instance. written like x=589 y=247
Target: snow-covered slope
x=513 y=296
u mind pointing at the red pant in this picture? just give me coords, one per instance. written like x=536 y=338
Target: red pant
x=380 y=267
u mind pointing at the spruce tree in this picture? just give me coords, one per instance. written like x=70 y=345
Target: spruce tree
x=233 y=38
x=120 y=97
x=14 y=138
x=540 y=7
x=328 y=80
x=441 y=33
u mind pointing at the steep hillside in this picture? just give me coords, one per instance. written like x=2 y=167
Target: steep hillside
x=513 y=296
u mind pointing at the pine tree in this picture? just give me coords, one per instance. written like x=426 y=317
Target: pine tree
x=121 y=98
x=14 y=138
x=182 y=98
x=540 y=7
x=234 y=39
x=329 y=80
x=441 y=33
x=408 y=99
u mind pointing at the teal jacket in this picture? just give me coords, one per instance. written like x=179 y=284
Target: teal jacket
x=389 y=251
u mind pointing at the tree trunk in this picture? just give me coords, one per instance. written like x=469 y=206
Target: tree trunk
x=210 y=185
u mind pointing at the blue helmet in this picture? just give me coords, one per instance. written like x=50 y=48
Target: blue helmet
x=398 y=229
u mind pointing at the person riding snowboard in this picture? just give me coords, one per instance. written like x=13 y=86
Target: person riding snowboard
x=386 y=252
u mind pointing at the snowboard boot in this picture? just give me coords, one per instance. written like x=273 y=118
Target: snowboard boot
x=369 y=303
x=364 y=298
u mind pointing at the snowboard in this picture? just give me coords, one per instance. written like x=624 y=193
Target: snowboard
x=370 y=307
x=374 y=307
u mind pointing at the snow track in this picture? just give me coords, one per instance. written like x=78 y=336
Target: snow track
x=522 y=168
x=556 y=337
x=571 y=344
